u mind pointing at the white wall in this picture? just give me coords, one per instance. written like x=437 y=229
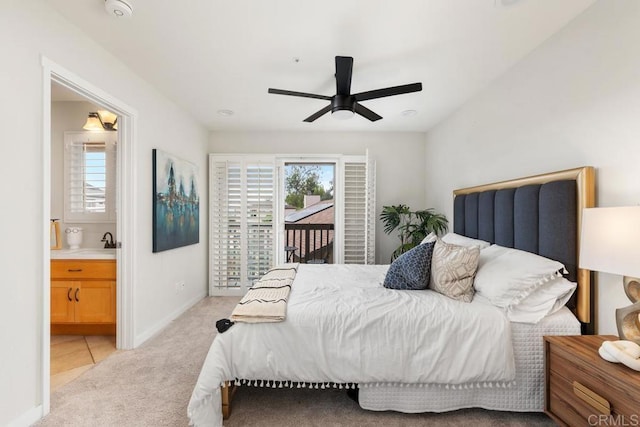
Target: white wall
x=399 y=160
x=575 y=101
x=29 y=29
x=70 y=116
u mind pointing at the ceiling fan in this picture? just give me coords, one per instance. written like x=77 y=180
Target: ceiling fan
x=344 y=104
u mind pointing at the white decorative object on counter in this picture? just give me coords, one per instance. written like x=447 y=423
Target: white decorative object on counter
x=74 y=237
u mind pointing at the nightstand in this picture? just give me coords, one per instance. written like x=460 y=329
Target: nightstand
x=582 y=389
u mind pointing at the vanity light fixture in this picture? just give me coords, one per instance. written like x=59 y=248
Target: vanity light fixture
x=101 y=120
x=610 y=242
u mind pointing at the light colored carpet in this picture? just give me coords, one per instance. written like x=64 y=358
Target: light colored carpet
x=151 y=386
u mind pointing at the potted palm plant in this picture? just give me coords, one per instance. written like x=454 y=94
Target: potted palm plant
x=412 y=226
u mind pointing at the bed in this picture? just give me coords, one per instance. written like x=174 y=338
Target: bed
x=336 y=333
x=535 y=214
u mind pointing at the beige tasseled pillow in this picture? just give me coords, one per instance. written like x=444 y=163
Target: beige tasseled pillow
x=453 y=268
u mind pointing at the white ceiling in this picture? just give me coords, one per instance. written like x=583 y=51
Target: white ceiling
x=210 y=55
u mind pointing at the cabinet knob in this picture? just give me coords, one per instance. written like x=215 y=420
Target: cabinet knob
x=76 y=295
x=69 y=294
x=74 y=270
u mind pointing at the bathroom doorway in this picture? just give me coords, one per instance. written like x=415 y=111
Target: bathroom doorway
x=58 y=79
x=84 y=145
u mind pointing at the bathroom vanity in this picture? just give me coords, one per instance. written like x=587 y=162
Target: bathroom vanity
x=83 y=292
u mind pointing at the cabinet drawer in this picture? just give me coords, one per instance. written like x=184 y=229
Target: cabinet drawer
x=574 y=403
x=587 y=390
x=83 y=269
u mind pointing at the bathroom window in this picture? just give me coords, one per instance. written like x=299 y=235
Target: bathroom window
x=89 y=190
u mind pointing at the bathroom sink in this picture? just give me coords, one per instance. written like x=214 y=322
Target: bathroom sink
x=83 y=253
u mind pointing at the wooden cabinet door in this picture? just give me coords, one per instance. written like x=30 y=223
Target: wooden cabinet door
x=96 y=302
x=62 y=302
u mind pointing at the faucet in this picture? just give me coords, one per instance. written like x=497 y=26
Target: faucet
x=108 y=244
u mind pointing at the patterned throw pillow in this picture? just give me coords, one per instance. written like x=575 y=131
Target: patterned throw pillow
x=412 y=269
x=452 y=270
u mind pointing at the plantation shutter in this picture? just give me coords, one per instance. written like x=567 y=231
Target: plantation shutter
x=371 y=211
x=260 y=233
x=225 y=219
x=359 y=212
x=241 y=222
x=89 y=190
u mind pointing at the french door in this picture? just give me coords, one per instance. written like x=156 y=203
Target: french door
x=247 y=221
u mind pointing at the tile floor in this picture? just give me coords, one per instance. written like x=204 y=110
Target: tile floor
x=72 y=355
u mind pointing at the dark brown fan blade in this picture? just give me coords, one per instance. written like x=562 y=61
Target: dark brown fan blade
x=366 y=113
x=302 y=94
x=344 y=67
x=317 y=114
x=389 y=91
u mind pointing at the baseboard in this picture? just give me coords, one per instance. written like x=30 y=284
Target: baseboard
x=28 y=418
x=163 y=323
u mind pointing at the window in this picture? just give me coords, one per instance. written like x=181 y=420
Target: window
x=89 y=187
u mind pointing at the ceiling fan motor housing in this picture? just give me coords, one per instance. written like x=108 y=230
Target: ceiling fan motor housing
x=343 y=102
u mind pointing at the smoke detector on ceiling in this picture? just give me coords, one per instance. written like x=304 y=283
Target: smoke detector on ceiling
x=118 y=8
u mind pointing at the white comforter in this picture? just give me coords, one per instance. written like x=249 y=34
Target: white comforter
x=343 y=326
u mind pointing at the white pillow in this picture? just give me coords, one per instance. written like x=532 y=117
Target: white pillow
x=547 y=299
x=457 y=239
x=506 y=276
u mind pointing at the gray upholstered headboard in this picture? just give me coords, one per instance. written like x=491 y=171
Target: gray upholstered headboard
x=540 y=214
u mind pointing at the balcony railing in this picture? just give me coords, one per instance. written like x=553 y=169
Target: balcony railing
x=309 y=243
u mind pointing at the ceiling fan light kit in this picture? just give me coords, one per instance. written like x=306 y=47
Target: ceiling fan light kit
x=342 y=114
x=343 y=107
x=344 y=104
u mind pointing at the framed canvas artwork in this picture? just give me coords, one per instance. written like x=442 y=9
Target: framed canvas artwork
x=176 y=204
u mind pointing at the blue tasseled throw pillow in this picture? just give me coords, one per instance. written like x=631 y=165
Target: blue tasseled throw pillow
x=412 y=269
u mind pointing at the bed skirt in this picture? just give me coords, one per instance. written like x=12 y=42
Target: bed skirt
x=527 y=395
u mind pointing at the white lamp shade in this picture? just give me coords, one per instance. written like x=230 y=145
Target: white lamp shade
x=93 y=123
x=610 y=240
x=107 y=116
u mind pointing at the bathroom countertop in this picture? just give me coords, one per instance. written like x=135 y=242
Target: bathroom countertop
x=83 y=253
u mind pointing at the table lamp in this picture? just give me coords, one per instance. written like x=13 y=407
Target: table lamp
x=610 y=243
